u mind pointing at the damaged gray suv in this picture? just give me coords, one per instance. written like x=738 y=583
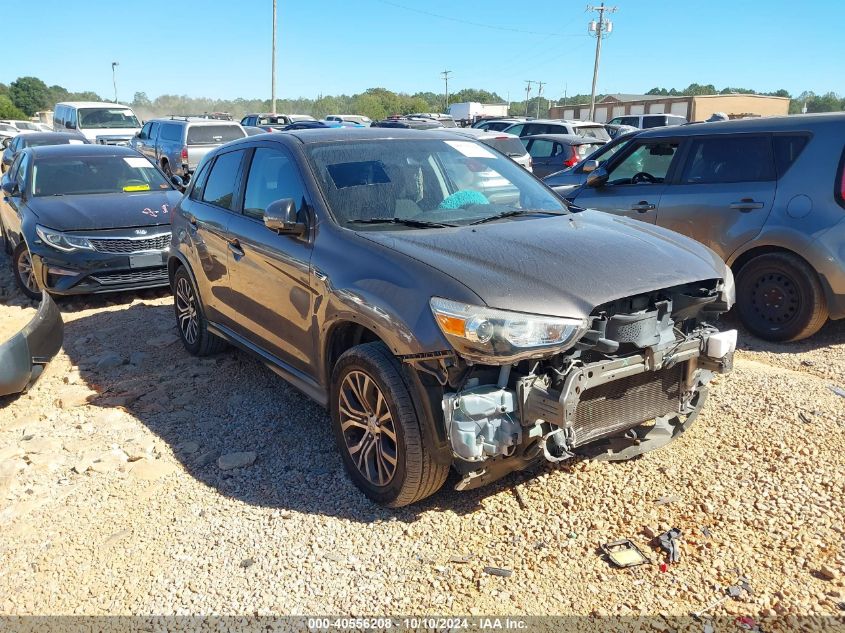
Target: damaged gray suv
x=447 y=307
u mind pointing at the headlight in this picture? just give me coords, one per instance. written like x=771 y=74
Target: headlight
x=62 y=241
x=729 y=288
x=484 y=334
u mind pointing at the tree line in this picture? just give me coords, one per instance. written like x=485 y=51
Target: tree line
x=27 y=95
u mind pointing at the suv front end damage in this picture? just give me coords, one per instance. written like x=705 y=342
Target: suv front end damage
x=625 y=380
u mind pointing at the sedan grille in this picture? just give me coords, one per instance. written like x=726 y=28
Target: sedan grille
x=119 y=246
x=617 y=406
x=149 y=275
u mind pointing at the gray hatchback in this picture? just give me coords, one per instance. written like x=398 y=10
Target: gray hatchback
x=768 y=195
x=449 y=310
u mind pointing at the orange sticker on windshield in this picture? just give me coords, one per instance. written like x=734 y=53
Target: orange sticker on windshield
x=136 y=188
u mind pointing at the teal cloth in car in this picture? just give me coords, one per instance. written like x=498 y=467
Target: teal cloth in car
x=463 y=198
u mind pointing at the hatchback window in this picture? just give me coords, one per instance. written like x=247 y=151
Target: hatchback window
x=647 y=164
x=516 y=129
x=508 y=146
x=213 y=134
x=725 y=159
x=653 y=121
x=222 y=182
x=170 y=132
x=592 y=131
x=541 y=148
x=272 y=176
x=787 y=148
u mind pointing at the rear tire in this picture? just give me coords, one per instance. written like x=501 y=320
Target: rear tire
x=377 y=430
x=24 y=273
x=190 y=318
x=780 y=298
x=7 y=245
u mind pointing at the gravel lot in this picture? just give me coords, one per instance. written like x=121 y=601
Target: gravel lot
x=112 y=499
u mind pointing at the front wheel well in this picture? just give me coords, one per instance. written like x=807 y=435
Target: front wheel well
x=344 y=336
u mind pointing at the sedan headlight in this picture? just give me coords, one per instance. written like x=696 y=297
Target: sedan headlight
x=485 y=334
x=62 y=241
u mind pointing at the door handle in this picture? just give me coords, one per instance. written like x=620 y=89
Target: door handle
x=235 y=247
x=746 y=204
x=642 y=206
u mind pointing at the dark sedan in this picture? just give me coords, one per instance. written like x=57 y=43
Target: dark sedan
x=552 y=152
x=86 y=218
x=36 y=139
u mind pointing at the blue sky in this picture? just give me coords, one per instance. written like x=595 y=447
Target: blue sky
x=221 y=49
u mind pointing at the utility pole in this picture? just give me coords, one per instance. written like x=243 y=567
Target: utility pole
x=445 y=74
x=539 y=96
x=273 y=65
x=598 y=29
x=114 y=65
x=528 y=83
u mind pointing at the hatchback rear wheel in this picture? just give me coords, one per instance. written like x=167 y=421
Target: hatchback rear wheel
x=780 y=298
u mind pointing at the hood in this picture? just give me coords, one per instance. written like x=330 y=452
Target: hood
x=104 y=211
x=558 y=266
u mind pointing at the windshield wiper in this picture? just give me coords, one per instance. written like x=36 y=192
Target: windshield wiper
x=405 y=221
x=510 y=214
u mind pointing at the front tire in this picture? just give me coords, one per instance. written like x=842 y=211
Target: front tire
x=780 y=298
x=24 y=272
x=377 y=430
x=190 y=318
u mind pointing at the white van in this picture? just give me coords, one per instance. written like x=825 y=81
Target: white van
x=99 y=122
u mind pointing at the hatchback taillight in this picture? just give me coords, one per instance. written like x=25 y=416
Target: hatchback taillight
x=572 y=160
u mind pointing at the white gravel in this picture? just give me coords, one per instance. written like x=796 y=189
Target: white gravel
x=114 y=497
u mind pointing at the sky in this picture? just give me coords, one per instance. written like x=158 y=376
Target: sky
x=220 y=49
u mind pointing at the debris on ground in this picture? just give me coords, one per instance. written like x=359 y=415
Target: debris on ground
x=731 y=592
x=839 y=391
x=624 y=553
x=669 y=542
x=498 y=571
x=665 y=500
x=806 y=419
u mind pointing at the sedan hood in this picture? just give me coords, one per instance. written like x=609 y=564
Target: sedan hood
x=558 y=266
x=104 y=211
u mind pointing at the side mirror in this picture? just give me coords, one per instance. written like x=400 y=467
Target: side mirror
x=590 y=166
x=9 y=187
x=178 y=182
x=6 y=142
x=597 y=177
x=280 y=216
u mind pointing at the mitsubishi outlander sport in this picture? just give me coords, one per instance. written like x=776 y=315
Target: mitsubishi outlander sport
x=447 y=307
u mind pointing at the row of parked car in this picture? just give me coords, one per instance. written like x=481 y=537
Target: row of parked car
x=448 y=307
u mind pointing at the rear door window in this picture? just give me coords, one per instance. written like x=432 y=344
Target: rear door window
x=722 y=159
x=222 y=181
x=170 y=132
x=787 y=148
x=541 y=148
x=654 y=121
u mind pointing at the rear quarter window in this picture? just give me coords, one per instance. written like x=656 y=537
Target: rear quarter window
x=787 y=148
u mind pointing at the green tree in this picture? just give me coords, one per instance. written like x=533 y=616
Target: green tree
x=8 y=110
x=30 y=95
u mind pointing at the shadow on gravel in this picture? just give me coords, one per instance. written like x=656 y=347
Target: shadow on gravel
x=203 y=408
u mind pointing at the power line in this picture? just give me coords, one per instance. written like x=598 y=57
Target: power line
x=462 y=21
x=273 y=64
x=528 y=83
x=539 y=96
x=445 y=74
x=600 y=30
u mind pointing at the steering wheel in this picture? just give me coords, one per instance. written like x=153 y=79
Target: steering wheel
x=643 y=176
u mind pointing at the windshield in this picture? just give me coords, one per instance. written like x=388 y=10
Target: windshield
x=434 y=181
x=77 y=175
x=213 y=134
x=24 y=125
x=592 y=131
x=102 y=118
x=57 y=139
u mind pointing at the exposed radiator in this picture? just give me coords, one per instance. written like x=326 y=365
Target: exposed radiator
x=617 y=406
